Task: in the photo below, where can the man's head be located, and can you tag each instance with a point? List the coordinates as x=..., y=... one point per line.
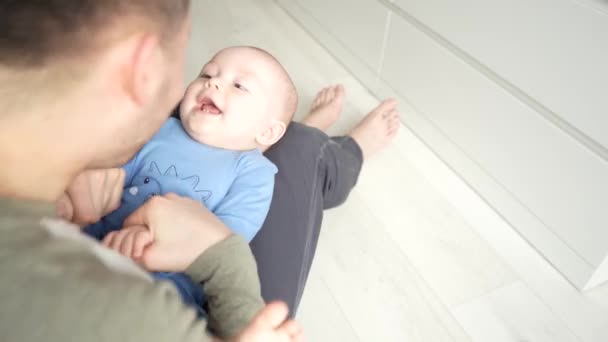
x=243, y=99
x=108, y=71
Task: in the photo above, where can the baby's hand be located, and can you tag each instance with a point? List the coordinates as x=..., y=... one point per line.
x=130, y=241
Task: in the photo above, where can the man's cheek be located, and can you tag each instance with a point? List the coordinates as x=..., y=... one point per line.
x=178, y=91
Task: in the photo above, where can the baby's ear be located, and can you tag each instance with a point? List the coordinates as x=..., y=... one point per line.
x=272, y=134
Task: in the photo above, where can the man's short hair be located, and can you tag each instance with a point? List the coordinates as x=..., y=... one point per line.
x=34, y=32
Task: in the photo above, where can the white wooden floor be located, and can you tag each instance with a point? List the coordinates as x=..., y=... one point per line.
x=414, y=255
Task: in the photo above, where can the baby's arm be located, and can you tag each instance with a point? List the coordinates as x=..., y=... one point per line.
x=246, y=205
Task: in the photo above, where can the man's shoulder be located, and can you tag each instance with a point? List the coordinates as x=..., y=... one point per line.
x=56, y=288
x=54, y=255
x=92, y=306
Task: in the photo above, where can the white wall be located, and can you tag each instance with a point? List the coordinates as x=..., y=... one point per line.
x=513, y=95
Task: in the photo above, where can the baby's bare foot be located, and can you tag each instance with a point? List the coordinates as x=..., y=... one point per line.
x=326, y=108
x=378, y=128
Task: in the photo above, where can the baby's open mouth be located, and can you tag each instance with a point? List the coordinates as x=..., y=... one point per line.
x=208, y=106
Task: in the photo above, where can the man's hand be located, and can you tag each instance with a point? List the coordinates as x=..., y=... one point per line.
x=92, y=195
x=181, y=229
x=270, y=325
x=129, y=242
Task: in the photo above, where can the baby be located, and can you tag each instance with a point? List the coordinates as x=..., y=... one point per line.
x=240, y=105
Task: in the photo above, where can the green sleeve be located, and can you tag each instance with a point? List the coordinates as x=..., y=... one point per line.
x=233, y=289
x=58, y=286
x=58, y=292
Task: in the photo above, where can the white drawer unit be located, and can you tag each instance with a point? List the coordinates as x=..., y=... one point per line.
x=512, y=95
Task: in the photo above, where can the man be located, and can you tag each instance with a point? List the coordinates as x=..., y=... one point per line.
x=83, y=85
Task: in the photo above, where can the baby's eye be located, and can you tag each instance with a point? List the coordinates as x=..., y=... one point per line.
x=205, y=76
x=240, y=87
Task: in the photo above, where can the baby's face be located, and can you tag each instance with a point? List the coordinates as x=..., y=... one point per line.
x=232, y=102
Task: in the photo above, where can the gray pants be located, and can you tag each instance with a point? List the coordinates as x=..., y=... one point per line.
x=316, y=172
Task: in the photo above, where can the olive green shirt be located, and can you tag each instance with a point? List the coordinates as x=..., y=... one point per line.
x=58, y=286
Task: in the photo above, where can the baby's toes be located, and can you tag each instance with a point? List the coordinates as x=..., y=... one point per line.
x=394, y=126
x=339, y=89
x=331, y=93
x=315, y=103
x=395, y=113
x=387, y=116
x=318, y=98
x=394, y=116
x=389, y=104
x=326, y=95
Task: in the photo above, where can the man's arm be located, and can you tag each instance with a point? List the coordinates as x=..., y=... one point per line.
x=113, y=306
x=133, y=311
x=226, y=272
x=232, y=288
x=187, y=236
x=235, y=304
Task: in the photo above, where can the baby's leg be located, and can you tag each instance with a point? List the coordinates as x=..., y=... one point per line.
x=285, y=246
x=316, y=172
x=340, y=158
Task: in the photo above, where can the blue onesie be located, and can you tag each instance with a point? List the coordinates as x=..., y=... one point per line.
x=236, y=186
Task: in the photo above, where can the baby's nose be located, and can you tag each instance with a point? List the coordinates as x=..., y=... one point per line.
x=214, y=83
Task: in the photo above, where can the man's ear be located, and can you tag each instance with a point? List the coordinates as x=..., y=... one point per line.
x=272, y=134
x=140, y=75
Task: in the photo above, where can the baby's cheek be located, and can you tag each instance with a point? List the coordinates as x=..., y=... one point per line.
x=193, y=90
x=190, y=124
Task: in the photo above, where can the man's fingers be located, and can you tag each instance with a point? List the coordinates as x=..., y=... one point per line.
x=64, y=207
x=142, y=240
x=172, y=196
x=80, y=194
x=96, y=182
x=152, y=260
x=116, y=191
x=156, y=258
x=95, y=193
x=85, y=206
x=140, y=216
x=272, y=316
x=293, y=330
